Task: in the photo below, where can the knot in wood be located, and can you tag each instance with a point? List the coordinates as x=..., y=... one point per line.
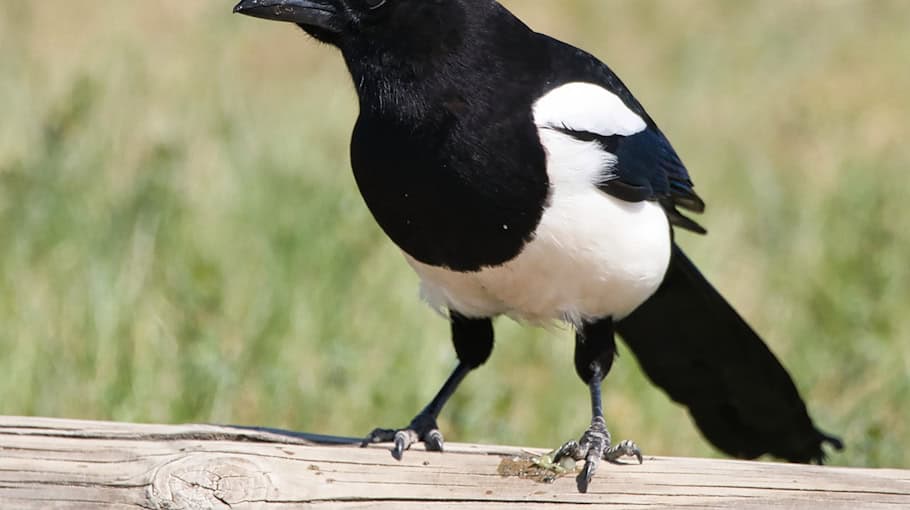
x=209, y=481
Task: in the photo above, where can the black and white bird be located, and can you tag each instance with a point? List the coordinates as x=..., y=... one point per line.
x=520, y=177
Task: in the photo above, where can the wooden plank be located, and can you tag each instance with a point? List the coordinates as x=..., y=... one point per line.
x=51, y=463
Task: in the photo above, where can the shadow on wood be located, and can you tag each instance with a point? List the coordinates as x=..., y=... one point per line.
x=51, y=463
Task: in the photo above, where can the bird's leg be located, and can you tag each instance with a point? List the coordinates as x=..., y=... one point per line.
x=595, y=349
x=473, y=340
x=423, y=426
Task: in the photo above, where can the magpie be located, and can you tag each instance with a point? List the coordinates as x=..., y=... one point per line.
x=520, y=177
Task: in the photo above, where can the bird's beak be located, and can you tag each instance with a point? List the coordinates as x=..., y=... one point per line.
x=308, y=13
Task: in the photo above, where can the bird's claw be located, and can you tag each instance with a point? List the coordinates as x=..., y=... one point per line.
x=593, y=447
x=624, y=449
x=422, y=429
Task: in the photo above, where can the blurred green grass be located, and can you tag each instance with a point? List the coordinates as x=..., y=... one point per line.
x=182, y=239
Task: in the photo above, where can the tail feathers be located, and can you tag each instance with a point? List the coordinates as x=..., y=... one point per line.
x=692, y=343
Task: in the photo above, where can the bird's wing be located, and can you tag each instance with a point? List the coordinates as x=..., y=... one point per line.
x=645, y=166
x=648, y=168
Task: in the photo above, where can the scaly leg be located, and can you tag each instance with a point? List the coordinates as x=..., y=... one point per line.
x=473, y=340
x=595, y=348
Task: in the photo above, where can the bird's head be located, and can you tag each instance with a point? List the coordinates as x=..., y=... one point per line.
x=402, y=54
x=373, y=26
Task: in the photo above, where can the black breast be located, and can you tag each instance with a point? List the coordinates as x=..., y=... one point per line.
x=462, y=192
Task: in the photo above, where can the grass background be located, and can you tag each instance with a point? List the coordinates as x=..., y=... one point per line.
x=181, y=238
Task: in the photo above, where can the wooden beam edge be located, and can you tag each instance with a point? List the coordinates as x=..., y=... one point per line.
x=58, y=463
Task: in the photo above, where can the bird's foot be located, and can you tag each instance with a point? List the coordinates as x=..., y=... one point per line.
x=422, y=429
x=593, y=446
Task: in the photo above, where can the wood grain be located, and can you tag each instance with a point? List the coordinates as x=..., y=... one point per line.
x=51, y=463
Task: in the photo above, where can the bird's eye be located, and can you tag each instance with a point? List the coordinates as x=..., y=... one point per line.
x=375, y=4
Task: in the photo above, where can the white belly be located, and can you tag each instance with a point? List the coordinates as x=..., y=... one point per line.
x=592, y=256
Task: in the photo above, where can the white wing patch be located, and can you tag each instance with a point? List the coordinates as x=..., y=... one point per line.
x=586, y=107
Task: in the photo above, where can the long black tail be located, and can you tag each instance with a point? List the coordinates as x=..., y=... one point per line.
x=694, y=345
